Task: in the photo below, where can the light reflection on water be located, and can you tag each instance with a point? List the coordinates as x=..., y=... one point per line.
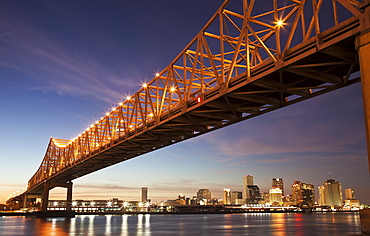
x=276, y=224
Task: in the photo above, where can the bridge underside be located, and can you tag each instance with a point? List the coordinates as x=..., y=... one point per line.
x=320, y=65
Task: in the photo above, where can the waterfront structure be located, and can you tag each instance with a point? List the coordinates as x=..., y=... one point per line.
x=330, y=193
x=247, y=180
x=350, y=194
x=303, y=194
x=203, y=194
x=144, y=194
x=278, y=183
x=276, y=195
x=350, y=200
x=227, y=197
x=253, y=194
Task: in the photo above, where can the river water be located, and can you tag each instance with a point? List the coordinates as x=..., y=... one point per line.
x=297, y=224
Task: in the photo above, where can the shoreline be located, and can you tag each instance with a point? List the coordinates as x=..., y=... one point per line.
x=60, y=213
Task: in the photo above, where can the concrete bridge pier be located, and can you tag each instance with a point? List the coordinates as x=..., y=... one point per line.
x=45, y=198
x=29, y=196
x=363, y=47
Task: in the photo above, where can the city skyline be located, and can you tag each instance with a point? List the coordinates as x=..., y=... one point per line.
x=64, y=65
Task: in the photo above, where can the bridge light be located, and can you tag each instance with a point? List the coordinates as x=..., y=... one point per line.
x=279, y=23
x=199, y=99
x=121, y=104
x=107, y=114
x=172, y=89
x=145, y=85
x=114, y=109
x=128, y=98
x=151, y=115
x=157, y=74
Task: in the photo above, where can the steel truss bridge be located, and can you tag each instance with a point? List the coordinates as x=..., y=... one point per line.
x=242, y=63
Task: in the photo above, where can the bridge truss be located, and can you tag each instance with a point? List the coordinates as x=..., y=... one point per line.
x=243, y=63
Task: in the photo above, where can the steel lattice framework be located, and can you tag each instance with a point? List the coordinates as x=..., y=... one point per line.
x=243, y=63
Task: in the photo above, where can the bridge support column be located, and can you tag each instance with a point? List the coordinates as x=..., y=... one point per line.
x=363, y=47
x=50, y=185
x=45, y=197
x=69, y=197
x=29, y=196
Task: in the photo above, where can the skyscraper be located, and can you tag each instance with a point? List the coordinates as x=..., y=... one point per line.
x=203, y=194
x=227, y=196
x=253, y=194
x=247, y=180
x=278, y=183
x=144, y=194
x=303, y=194
x=330, y=193
x=237, y=197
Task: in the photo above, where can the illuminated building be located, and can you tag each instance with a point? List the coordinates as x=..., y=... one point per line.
x=350, y=194
x=203, y=194
x=278, y=183
x=351, y=201
x=303, y=194
x=247, y=180
x=227, y=197
x=254, y=194
x=144, y=194
x=276, y=195
x=237, y=197
x=330, y=193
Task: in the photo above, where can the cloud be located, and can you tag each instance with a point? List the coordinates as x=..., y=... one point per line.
x=61, y=68
x=315, y=131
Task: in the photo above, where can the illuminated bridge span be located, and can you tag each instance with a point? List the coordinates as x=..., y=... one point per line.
x=242, y=64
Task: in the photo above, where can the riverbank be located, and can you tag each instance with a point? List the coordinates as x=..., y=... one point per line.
x=62, y=213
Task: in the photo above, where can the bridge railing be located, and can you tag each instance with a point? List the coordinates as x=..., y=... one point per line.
x=240, y=39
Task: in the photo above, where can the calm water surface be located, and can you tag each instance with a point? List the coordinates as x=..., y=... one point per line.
x=198, y=224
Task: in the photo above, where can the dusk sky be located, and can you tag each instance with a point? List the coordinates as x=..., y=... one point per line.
x=63, y=64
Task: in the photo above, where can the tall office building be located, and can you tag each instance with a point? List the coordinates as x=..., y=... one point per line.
x=144, y=194
x=330, y=193
x=253, y=193
x=237, y=197
x=350, y=194
x=227, y=196
x=247, y=180
x=303, y=194
x=203, y=194
x=278, y=183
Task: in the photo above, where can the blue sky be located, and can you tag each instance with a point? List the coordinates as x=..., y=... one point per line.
x=65, y=63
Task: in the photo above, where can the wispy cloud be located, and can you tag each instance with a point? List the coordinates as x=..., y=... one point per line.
x=284, y=136
x=62, y=69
